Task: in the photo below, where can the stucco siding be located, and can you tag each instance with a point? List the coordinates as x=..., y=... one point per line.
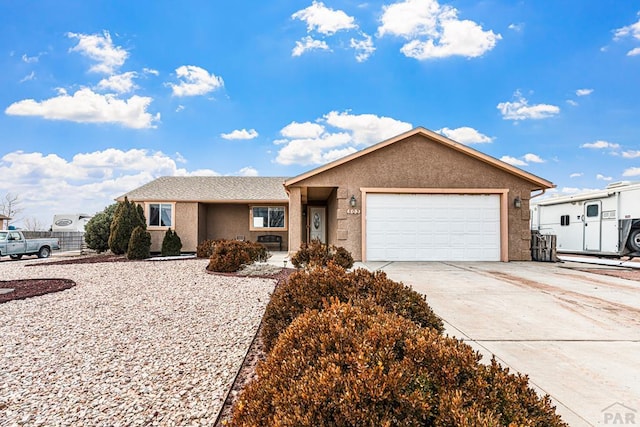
x=418, y=162
x=228, y=221
x=186, y=225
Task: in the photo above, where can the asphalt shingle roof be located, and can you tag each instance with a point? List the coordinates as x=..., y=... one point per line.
x=210, y=189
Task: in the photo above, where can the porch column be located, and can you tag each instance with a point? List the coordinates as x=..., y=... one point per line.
x=295, y=219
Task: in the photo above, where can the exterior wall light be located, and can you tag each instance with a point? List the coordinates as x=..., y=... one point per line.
x=352, y=201
x=517, y=202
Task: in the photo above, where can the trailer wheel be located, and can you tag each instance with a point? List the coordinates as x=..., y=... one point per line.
x=16, y=256
x=634, y=240
x=44, y=252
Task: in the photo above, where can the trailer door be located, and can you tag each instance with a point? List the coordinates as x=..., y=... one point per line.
x=592, y=221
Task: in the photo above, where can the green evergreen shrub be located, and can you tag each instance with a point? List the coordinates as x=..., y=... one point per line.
x=205, y=248
x=139, y=244
x=171, y=244
x=308, y=289
x=360, y=365
x=230, y=256
x=317, y=253
x=97, y=229
x=126, y=218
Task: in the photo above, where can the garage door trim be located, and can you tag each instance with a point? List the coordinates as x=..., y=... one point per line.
x=502, y=192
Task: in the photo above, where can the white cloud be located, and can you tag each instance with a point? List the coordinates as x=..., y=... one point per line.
x=434, y=31
x=324, y=20
x=633, y=31
x=575, y=190
x=584, y=92
x=151, y=71
x=601, y=177
x=308, y=43
x=364, y=48
x=631, y=154
x=599, y=145
x=532, y=158
x=315, y=143
x=516, y=27
x=520, y=109
x=86, y=106
x=30, y=76
x=49, y=184
x=180, y=108
x=248, y=171
x=576, y=175
x=119, y=83
x=195, y=81
x=304, y=130
x=465, y=135
x=100, y=49
x=240, y=134
x=30, y=59
x=634, y=52
x=631, y=172
x=572, y=102
x=513, y=161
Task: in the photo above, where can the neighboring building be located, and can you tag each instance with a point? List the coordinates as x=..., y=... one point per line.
x=416, y=197
x=4, y=220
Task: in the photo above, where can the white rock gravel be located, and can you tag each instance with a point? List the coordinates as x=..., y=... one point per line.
x=132, y=344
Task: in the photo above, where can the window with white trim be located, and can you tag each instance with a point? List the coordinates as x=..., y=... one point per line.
x=160, y=214
x=268, y=218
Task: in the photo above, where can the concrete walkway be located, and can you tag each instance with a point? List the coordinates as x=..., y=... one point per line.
x=576, y=334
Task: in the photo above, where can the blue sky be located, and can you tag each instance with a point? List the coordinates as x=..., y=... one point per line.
x=99, y=97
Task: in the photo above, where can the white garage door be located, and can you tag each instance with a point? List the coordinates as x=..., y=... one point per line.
x=433, y=227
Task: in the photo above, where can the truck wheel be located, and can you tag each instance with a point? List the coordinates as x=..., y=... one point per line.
x=634, y=240
x=19, y=256
x=44, y=252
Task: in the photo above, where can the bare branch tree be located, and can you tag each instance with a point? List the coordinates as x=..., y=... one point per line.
x=10, y=206
x=33, y=224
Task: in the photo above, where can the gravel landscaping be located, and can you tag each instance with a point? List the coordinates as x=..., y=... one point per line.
x=133, y=343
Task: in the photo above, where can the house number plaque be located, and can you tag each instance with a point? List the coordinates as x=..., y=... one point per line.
x=353, y=211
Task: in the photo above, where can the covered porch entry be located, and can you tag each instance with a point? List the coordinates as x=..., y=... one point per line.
x=317, y=213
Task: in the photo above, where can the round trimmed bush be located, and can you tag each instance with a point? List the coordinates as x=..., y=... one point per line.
x=231, y=255
x=350, y=365
x=317, y=253
x=308, y=289
x=139, y=246
x=171, y=244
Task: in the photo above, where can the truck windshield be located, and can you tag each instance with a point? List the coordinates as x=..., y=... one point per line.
x=3, y=235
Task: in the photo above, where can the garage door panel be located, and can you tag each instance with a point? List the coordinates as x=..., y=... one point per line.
x=433, y=227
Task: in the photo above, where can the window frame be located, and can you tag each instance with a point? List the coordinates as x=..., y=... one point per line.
x=285, y=227
x=150, y=226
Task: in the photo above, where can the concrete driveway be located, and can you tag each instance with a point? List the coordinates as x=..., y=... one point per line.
x=576, y=334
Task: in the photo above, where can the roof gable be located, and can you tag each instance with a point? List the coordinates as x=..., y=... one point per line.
x=538, y=182
x=232, y=189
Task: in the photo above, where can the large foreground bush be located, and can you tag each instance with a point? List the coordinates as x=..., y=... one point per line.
x=352, y=365
x=307, y=289
x=231, y=255
x=318, y=254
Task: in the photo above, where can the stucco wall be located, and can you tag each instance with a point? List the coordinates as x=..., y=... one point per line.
x=227, y=221
x=418, y=162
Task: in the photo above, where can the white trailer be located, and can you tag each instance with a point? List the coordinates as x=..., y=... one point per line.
x=70, y=222
x=603, y=223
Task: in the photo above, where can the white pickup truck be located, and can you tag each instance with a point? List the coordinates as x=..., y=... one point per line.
x=13, y=243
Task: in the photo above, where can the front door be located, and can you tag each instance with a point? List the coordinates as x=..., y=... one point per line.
x=592, y=220
x=317, y=223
